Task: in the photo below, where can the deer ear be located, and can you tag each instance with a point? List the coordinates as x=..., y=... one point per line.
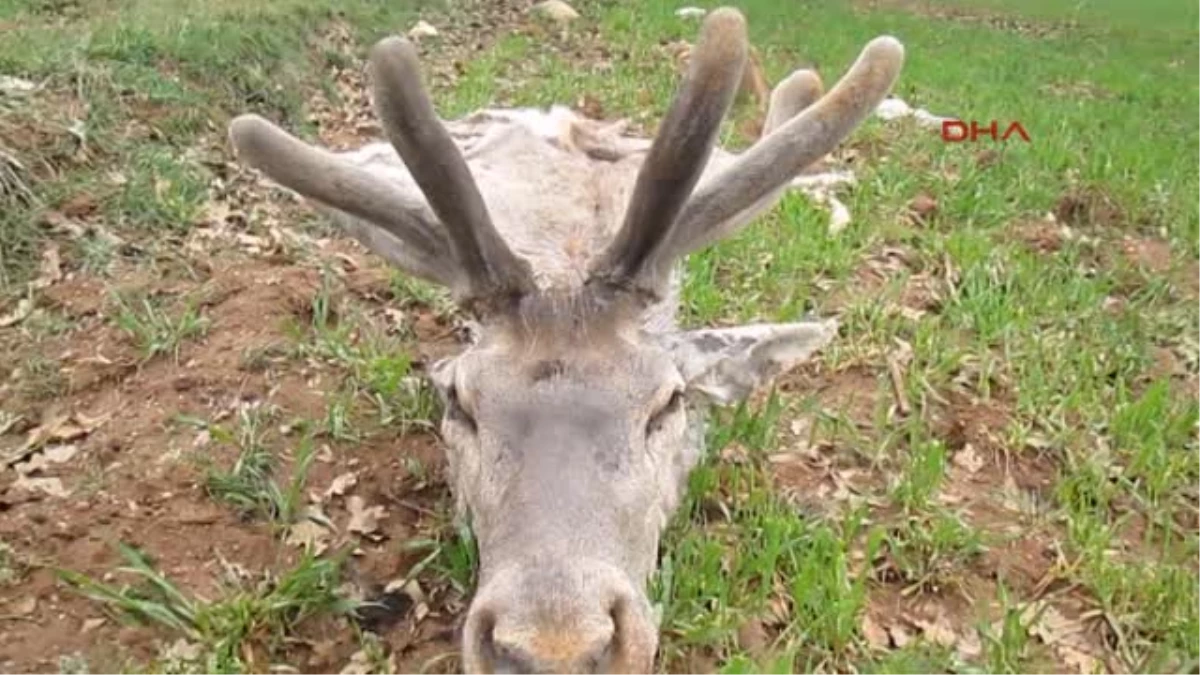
x=726, y=365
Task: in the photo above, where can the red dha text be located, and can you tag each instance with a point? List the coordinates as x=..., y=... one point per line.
x=956, y=131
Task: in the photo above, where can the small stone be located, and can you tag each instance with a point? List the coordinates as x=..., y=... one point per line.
x=557, y=10
x=422, y=29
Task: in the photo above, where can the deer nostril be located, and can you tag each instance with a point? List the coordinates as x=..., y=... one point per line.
x=505, y=657
x=547, y=650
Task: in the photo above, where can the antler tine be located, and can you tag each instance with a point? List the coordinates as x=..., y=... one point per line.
x=412, y=125
x=679, y=154
x=797, y=143
x=791, y=97
x=334, y=183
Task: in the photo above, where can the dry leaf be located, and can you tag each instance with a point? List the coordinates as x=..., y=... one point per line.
x=90, y=625
x=752, y=637
x=1081, y=661
x=396, y=319
x=60, y=453
x=939, y=631
x=410, y=587
x=25, y=607
x=360, y=663
x=8, y=421
x=50, y=486
x=11, y=86
x=35, y=464
x=1063, y=635
x=900, y=636
x=308, y=535
x=969, y=645
x=341, y=484
x=59, y=428
x=876, y=636
x=182, y=650
x=968, y=459
x=50, y=271
x=363, y=520
x=19, y=313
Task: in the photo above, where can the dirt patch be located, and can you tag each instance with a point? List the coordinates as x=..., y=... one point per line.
x=852, y=393
x=1076, y=90
x=1089, y=207
x=973, y=15
x=1040, y=236
x=137, y=476
x=1151, y=254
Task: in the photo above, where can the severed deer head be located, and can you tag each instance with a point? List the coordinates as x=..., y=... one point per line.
x=575, y=414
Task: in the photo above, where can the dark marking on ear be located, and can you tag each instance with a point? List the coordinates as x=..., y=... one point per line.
x=544, y=370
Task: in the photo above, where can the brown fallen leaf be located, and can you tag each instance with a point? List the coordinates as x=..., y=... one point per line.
x=360, y=663
x=364, y=520
x=341, y=485
x=876, y=636
x=1063, y=635
x=308, y=535
x=752, y=637
x=939, y=631
x=969, y=645
x=900, y=635
x=50, y=270
x=18, y=314
x=60, y=428
x=410, y=587
x=968, y=459
x=50, y=486
x=60, y=453
x=25, y=607
x=36, y=463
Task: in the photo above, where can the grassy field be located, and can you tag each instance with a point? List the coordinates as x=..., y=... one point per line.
x=219, y=455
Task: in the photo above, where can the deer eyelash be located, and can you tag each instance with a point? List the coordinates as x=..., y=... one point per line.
x=456, y=411
x=672, y=406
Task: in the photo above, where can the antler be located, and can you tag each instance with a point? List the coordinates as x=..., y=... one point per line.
x=802, y=126
x=408, y=117
x=410, y=238
x=776, y=159
x=678, y=156
x=463, y=251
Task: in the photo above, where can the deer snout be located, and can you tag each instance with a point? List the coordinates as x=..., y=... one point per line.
x=583, y=646
x=541, y=627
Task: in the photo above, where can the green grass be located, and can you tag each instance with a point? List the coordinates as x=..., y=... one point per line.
x=154, y=330
x=1066, y=342
x=228, y=629
x=374, y=362
x=252, y=484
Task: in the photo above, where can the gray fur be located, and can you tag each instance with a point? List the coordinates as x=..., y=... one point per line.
x=574, y=418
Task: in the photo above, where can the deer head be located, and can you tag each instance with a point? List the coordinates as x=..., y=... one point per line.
x=571, y=425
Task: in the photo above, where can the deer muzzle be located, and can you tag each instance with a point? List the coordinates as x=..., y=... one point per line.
x=566, y=617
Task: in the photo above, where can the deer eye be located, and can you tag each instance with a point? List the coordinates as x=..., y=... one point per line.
x=456, y=411
x=672, y=406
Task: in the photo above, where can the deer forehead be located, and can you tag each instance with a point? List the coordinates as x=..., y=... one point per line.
x=590, y=375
